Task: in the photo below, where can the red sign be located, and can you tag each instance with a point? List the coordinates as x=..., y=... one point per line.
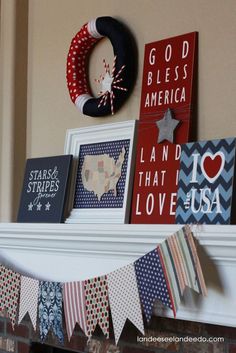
x=168, y=76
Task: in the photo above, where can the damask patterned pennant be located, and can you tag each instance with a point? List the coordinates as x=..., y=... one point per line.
x=124, y=299
x=97, y=310
x=74, y=306
x=50, y=309
x=152, y=283
x=29, y=299
x=9, y=292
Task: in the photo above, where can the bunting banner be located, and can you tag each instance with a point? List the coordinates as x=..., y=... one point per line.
x=50, y=309
x=97, y=308
x=29, y=290
x=124, y=299
x=9, y=292
x=161, y=274
x=74, y=307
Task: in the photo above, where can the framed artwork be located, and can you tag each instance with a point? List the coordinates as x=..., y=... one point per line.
x=44, y=191
x=167, y=101
x=206, y=182
x=103, y=179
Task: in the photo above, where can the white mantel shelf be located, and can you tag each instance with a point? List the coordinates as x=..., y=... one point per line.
x=67, y=252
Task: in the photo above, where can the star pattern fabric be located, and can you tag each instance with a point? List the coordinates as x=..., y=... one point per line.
x=124, y=299
x=166, y=127
x=151, y=282
x=9, y=292
x=96, y=297
x=74, y=306
x=87, y=199
x=50, y=309
x=29, y=299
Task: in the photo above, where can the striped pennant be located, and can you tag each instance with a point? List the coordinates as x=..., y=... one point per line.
x=74, y=306
x=198, y=268
x=171, y=274
x=182, y=265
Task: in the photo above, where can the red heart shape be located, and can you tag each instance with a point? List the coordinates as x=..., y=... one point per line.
x=212, y=165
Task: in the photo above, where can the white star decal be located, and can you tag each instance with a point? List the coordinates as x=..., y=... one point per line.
x=39, y=205
x=47, y=206
x=30, y=206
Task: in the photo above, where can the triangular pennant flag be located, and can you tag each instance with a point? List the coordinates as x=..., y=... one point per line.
x=179, y=262
x=152, y=283
x=74, y=306
x=191, y=259
x=50, y=309
x=9, y=292
x=182, y=264
x=124, y=299
x=29, y=290
x=170, y=271
x=97, y=310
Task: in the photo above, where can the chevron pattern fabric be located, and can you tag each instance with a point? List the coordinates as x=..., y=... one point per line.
x=205, y=185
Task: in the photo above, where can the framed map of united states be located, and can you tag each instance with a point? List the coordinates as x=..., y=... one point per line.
x=103, y=172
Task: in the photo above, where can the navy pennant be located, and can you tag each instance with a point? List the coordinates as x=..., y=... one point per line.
x=50, y=309
x=151, y=282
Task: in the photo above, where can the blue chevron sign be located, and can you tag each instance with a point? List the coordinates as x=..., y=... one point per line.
x=205, y=186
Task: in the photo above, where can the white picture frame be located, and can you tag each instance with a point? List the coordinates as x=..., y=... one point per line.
x=76, y=140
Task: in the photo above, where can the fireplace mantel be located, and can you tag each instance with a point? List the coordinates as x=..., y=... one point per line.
x=67, y=252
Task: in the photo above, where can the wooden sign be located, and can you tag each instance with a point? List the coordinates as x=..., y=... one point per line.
x=165, y=112
x=206, y=178
x=168, y=76
x=156, y=199
x=44, y=189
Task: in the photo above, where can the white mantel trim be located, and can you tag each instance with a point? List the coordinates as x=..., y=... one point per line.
x=122, y=240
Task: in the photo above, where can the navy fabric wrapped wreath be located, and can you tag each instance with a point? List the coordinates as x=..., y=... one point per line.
x=116, y=83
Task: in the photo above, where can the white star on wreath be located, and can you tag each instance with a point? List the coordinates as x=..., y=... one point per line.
x=109, y=82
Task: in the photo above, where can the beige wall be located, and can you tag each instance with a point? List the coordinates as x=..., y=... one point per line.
x=53, y=23
x=13, y=107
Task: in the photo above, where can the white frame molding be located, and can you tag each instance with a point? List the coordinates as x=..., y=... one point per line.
x=97, y=134
x=67, y=252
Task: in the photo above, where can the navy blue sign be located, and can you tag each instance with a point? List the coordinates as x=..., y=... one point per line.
x=44, y=189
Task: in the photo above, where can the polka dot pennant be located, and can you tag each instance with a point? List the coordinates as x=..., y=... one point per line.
x=96, y=298
x=151, y=282
x=29, y=299
x=9, y=292
x=124, y=299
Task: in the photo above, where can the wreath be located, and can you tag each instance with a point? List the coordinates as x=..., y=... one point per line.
x=116, y=82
